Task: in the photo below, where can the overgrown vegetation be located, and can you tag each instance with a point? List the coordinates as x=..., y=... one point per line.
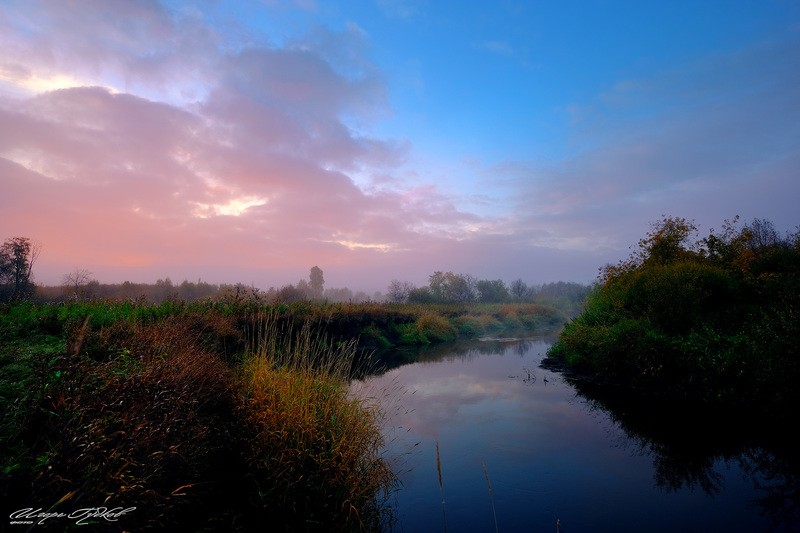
x=295, y=405
x=220, y=415
x=190, y=413
x=715, y=321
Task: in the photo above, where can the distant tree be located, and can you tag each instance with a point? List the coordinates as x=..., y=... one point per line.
x=492, y=290
x=519, y=289
x=289, y=293
x=317, y=282
x=450, y=287
x=421, y=295
x=360, y=296
x=338, y=295
x=567, y=297
x=75, y=283
x=304, y=288
x=163, y=290
x=399, y=291
x=460, y=288
x=436, y=285
x=17, y=257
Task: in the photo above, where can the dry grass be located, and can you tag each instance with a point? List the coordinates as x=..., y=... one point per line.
x=140, y=429
x=314, y=451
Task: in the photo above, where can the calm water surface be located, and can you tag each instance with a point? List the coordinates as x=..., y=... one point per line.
x=553, y=458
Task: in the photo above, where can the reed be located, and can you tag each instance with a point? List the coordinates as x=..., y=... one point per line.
x=313, y=450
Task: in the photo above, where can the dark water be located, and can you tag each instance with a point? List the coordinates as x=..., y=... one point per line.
x=559, y=461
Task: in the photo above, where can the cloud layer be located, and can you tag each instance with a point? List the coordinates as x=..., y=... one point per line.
x=141, y=142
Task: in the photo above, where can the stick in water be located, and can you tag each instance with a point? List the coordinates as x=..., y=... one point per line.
x=441, y=487
x=491, y=496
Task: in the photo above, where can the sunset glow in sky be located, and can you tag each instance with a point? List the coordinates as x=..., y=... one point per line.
x=247, y=141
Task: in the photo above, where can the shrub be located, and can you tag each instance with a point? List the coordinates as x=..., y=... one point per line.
x=435, y=328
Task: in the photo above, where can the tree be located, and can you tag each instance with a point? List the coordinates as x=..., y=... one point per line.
x=459, y=288
x=317, y=282
x=519, y=289
x=17, y=257
x=75, y=283
x=342, y=294
x=303, y=288
x=492, y=290
x=421, y=295
x=449, y=287
x=399, y=290
x=761, y=233
x=436, y=285
x=666, y=243
x=288, y=294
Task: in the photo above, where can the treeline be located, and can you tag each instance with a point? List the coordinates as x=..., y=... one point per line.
x=164, y=290
x=447, y=287
x=715, y=321
x=18, y=255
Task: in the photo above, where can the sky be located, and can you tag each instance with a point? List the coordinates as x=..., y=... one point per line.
x=247, y=141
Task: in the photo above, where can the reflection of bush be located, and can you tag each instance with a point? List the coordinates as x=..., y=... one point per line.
x=688, y=445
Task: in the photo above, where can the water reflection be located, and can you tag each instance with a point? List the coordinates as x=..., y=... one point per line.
x=687, y=443
x=556, y=449
x=386, y=360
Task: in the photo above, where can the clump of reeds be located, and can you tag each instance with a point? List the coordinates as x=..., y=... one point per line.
x=314, y=451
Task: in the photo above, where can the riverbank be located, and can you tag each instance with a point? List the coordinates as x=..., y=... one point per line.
x=712, y=323
x=210, y=414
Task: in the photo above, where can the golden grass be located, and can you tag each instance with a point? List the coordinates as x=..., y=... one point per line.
x=312, y=447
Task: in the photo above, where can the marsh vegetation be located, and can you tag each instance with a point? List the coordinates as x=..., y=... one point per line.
x=214, y=414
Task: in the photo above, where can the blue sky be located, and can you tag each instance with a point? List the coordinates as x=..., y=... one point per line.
x=388, y=139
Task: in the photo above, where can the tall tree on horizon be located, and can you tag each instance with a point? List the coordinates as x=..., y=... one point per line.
x=17, y=257
x=317, y=282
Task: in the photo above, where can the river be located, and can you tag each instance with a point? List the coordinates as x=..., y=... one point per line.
x=519, y=449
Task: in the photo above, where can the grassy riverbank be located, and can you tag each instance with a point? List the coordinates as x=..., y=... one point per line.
x=211, y=414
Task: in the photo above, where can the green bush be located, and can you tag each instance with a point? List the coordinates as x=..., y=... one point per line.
x=695, y=322
x=435, y=328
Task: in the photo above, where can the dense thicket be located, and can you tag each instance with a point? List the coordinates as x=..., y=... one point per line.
x=716, y=320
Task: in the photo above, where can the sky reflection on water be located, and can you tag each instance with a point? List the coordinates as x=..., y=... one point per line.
x=549, y=455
